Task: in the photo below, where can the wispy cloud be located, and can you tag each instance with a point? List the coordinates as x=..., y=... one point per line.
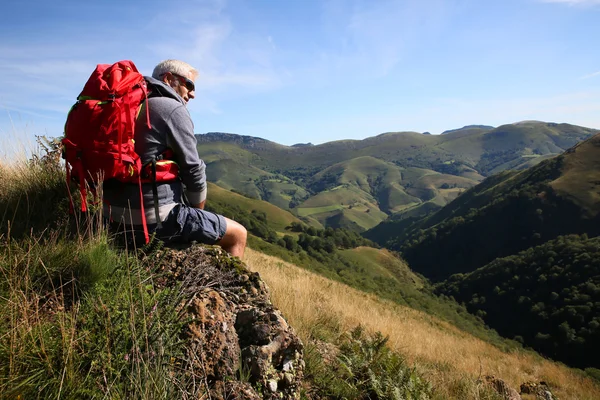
x=42, y=77
x=231, y=60
x=591, y=75
x=366, y=39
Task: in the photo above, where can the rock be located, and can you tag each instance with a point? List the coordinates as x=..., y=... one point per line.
x=237, y=343
x=502, y=388
x=261, y=333
x=272, y=385
x=540, y=390
x=211, y=348
x=288, y=379
x=234, y=390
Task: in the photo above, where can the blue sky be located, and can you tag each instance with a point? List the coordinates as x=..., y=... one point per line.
x=297, y=71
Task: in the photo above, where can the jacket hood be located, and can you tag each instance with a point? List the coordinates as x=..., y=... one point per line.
x=158, y=88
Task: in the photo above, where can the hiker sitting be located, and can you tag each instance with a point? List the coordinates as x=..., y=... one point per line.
x=170, y=141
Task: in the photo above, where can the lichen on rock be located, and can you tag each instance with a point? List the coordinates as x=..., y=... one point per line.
x=237, y=344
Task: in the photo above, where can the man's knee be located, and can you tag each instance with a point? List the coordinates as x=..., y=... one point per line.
x=236, y=231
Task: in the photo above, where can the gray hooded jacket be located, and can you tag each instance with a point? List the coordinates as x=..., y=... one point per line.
x=171, y=128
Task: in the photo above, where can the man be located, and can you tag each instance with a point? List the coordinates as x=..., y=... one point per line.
x=171, y=135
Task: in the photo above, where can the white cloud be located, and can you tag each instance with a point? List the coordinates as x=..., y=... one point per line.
x=42, y=76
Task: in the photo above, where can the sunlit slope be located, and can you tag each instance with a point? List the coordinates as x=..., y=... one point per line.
x=277, y=218
x=474, y=147
x=580, y=178
x=366, y=190
x=344, y=206
x=509, y=213
x=381, y=263
x=448, y=357
x=235, y=173
x=218, y=151
x=509, y=146
x=379, y=167
x=231, y=174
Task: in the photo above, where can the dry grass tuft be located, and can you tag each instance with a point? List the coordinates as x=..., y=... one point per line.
x=452, y=360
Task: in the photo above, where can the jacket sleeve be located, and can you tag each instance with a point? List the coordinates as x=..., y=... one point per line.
x=181, y=139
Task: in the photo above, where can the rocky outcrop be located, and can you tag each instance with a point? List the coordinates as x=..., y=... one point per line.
x=531, y=390
x=237, y=344
x=502, y=388
x=540, y=390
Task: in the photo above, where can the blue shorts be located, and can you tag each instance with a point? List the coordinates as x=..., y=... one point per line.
x=184, y=224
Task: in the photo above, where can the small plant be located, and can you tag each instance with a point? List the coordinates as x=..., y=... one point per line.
x=365, y=368
x=376, y=372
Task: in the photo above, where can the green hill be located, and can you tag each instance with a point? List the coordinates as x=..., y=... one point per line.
x=81, y=318
x=398, y=173
x=278, y=219
x=380, y=262
x=552, y=292
x=502, y=246
x=507, y=213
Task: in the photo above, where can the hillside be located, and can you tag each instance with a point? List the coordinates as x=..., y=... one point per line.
x=504, y=244
x=396, y=174
x=453, y=361
x=563, y=328
x=85, y=318
x=508, y=213
x=278, y=219
x=552, y=292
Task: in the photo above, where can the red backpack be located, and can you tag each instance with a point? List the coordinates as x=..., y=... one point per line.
x=98, y=143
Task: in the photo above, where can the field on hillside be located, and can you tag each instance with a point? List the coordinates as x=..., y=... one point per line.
x=406, y=174
x=278, y=219
x=343, y=206
x=580, y=176
x=381, y=262
x=453, y=361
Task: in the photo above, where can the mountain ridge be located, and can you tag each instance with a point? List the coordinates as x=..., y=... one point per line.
x=291, y=176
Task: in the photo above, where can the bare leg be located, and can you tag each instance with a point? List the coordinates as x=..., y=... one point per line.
x=234, y=240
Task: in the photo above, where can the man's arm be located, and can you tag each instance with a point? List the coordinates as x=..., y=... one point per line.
x=182, y=141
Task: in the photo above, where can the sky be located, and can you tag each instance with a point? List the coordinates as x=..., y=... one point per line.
x=299, y=71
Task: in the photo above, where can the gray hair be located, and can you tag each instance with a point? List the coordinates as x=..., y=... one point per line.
x=175, y=67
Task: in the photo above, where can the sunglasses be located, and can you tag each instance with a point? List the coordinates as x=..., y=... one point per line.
x=189, y=84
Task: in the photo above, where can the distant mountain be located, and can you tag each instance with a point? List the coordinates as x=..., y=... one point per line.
x=469, y=129
x=358, y=184
x=508, y=213
x=303, y=145
x=523, y=241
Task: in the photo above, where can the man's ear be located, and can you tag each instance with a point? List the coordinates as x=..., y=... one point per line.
x=167, y=78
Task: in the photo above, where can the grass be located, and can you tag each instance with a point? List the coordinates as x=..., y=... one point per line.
x=307, y=211
x=452, y=360
x=365, y=216
x=278, y=219
x=579, y=177
x=78, y=319
x=384, y=264
x=81, y=320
